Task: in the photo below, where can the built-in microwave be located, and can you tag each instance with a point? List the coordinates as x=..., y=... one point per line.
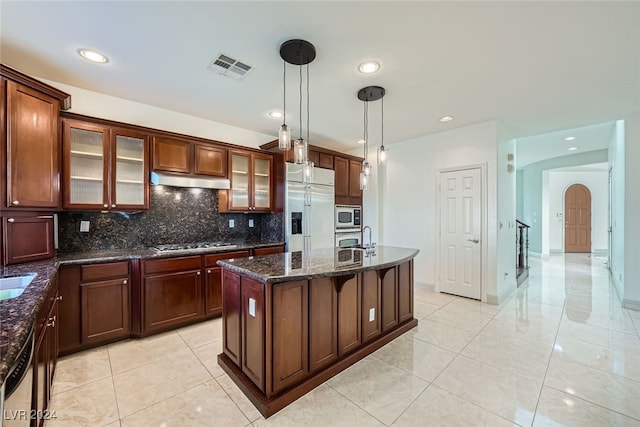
x=348, y=238
x=348, y=216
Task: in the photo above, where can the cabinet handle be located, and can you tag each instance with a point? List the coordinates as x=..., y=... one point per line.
x=124, y=282
x=197, y=273
x=59, y=298
x=10, y=220
x=113, y=206
x=15, y=202
x=105, y=205
x=52, y=321
x=208, y=271
x=45, y=216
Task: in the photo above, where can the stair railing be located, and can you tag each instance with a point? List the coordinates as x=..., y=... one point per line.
x=522, y=245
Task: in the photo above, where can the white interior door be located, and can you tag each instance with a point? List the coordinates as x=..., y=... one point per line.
x=460, y=232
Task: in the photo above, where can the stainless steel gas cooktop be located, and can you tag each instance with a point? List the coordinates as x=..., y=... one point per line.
x=177, y=247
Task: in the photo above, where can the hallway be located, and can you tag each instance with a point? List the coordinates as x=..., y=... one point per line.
x=559, y=352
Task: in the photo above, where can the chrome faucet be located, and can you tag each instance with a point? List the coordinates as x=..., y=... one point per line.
x=369, y=247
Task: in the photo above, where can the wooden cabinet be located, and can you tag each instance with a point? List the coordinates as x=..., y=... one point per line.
x=253, y=329
x=188, y=157
x=349, y=313
x=213, y=281
x=251, y=183
x=388, y=298
x=371, y=325
x=405, y=291
x=172, y=292
x=231, y=317
x=290, y=333
x=95, y=304
x=105, y=168
x=268, y=251
x=33, y=148
x=323, y=323
x=27, y=237
x=45, y=355
x=347, y=186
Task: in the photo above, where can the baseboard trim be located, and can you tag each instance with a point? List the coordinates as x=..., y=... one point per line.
x=631, y=304
x=498, y=299
x=600, y=252
x=535, y=254
x=424, y=285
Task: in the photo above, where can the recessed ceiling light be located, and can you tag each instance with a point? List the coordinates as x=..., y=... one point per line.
x=360, y=141
x=570, y=138
x=275, y=114
x=369, y=67
x=446, y=119
x=93, y=56
x=572, y=148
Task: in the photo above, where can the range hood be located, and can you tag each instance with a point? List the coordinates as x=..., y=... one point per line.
x=160, y=178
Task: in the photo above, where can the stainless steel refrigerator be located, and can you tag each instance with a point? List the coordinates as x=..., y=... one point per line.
x=309, y=209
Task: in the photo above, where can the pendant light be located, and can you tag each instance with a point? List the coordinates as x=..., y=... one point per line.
x=284, y=135
x=382, y=153
x=300, y=52
x=367, y=94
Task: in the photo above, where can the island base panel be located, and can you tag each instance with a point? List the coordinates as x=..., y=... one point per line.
x=269, y=406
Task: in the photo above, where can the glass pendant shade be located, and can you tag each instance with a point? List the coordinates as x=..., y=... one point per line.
x=382, y=155
x=308, y=171
x=366, y=168
x=364, y=181
x=298, y=152
x=284, y=138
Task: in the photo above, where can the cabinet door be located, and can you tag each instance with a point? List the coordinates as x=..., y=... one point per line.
x=370, y=306
x=323, y=326
x=69, y=308
x=33, y=149
x=268, y=251
x=231, y=314
x=213, y=291
x=86, y=166
x=341, y=167
x=129, y=170
x=253, y=354
x=349, y=317
x=389, y=298
x=261, y=186
x=171, y=155
x=405, y=291
x=290, y=333
x=326, y=161
x=172, y=299
x=210, y=160
x=105, y=310
x=52, y=340
x=355, y=167
x=40, y=392
x=314, y=156
x=28, y=238
x=240, y=178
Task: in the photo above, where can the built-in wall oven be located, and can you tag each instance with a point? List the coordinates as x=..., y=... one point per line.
x=347, y=238
x=16, y=407
x=348, y=216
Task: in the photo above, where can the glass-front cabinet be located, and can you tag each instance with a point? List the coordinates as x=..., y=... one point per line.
x=104, y=168
x=251, y=176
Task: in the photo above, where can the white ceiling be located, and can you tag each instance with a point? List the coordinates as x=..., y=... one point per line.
x=539, y=67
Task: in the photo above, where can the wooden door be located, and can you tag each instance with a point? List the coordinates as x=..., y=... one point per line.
x=326, y=161
x=105, y=310
x=33, y=149
x=171, y=155
x=231, y=316
x=27, y=238
x=355, y=167
x=290, y=333
x=268, y=251
x=389, y=298
x=349, y=308
x=210, y=160
x=341, y=167
x=460, y=225
x=577, y=211
x=213, y=291
x=405, y=291
x=171, y=299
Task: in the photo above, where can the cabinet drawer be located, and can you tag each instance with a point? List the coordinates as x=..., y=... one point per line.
x=90, y=273
x=172, y=264
x=210, y=260
x=268, y=251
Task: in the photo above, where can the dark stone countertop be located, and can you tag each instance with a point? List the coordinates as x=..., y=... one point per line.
x=291, y=266
x=18, y=314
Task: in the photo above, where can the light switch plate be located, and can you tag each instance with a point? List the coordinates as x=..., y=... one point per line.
x=232, y=223
x=250, y=223
x=252, y=307
x=372, y=314
x=84, y=226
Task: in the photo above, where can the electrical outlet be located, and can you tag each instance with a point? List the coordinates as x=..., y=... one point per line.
x=84, y=226
x=232, y=223
x=250, y=223
x=372, y=314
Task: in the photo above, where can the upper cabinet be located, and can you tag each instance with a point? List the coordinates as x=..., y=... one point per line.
x=347, y=181
x=105, y=168
x=183, y=156
x=29, y=116
x=251, y=183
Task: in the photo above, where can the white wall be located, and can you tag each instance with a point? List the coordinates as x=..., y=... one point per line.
x=631, y=212
x=616, y=164
x=410, y=199
x=103, y=106
x=506, y=227
x=598, y=184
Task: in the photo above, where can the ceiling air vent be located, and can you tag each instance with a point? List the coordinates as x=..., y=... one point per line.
x=227, y=66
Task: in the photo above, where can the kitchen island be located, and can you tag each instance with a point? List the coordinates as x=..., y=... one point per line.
x=291, y=321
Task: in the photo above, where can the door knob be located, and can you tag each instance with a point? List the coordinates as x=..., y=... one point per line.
x=474, y=240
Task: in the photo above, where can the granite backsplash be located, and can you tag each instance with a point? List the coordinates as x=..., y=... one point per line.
x=176, y=215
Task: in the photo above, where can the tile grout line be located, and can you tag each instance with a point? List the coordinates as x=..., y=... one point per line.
x=113, y=383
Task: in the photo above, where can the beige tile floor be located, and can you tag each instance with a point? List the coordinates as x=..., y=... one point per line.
x=559, y=351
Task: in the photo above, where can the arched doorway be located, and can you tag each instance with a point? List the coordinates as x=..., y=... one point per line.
x=577, y=215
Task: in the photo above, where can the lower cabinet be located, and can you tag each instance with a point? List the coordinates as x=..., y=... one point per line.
x=349, y=309
x=45, y=356
x=231, y=315
x=213, y=281
x=371, y=327
x=95, y=304
x=172, y=292
x=388, y=298
x=268, y=251
x=323, y=323
x=253, y=328
x=27, y=237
